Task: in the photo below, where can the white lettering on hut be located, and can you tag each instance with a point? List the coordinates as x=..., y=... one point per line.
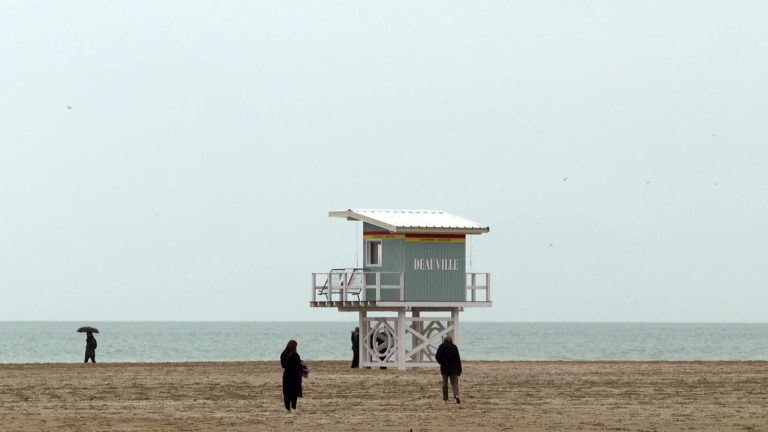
x=447, y=264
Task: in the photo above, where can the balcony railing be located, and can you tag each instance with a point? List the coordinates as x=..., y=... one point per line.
x=355, y=284
x=478, y=282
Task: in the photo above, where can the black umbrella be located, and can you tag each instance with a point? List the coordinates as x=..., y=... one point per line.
x=87, y=329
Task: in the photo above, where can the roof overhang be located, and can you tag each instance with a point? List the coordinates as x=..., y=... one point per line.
x=413, y=221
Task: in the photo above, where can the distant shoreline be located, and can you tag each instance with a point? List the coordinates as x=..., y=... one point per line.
x=58, y=342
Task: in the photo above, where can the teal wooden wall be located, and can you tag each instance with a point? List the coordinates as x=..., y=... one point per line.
x=434, y=284
x=424, y=283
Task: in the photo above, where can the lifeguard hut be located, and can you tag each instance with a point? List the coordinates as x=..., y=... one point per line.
x=411, y=288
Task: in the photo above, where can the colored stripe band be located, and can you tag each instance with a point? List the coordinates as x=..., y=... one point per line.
x=435, y=238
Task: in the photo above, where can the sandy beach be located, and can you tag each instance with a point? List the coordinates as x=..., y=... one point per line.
x=519, y=396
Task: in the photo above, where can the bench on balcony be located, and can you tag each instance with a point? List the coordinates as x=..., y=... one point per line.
x=339, y=278
x=338, y=284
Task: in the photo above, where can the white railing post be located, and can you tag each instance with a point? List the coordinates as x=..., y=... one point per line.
x=378, y=286
x=402, y=286
x=363, y=289
x=474, y=287
x=330, y=286
x=488, y=287
x=314, y=291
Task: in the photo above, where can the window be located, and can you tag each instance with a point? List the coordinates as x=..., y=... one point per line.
x=373, y=253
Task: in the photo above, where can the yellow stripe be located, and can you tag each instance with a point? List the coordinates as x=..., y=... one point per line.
x=384, y=236
x=435, y=240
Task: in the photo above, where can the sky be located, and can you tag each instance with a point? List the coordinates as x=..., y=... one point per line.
x=177, y=160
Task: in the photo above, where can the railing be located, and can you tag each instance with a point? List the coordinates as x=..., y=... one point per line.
x=354, y=284
x=342, y=284
x=478, y=282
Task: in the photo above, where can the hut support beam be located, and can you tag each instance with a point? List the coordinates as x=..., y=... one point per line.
x=362, y=325
x=401, y=339
x=455, y=322
x=418, y=327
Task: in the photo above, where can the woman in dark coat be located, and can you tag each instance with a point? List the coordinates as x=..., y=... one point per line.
x=291, y=363
x=90, y=348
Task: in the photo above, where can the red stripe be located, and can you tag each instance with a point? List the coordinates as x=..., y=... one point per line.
x=436, y=235
x=416, y=235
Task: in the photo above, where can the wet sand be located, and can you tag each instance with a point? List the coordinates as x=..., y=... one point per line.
x=519, y=396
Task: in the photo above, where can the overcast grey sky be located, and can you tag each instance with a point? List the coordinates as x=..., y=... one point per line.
x=206, y=141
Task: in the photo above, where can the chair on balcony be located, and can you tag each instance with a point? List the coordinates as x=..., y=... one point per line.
x=346, y=278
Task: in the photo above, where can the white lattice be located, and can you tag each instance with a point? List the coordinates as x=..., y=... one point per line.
x=428, y=339
x=404, y=341
x=380, y=341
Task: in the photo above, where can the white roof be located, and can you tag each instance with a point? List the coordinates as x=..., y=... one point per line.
x=414, y=221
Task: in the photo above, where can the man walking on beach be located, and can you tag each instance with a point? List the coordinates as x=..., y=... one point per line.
x=450, y=367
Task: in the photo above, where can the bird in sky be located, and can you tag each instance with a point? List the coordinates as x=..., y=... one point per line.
x=69, y=107
x=565, y=178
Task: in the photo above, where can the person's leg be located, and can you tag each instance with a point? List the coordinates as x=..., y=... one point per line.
x=294, y=400
x=455, y=387
x=287, y=402
x=93, y=358
x=445, y=387
x=86, y=359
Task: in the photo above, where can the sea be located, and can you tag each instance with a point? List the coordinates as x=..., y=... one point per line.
x=58, y=342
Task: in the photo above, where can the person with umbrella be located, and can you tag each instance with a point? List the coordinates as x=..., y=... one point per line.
x=90, y=343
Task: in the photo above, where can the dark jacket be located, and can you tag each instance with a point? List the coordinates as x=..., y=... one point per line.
x=355, y=340
x=90, y=345
x=291, y=363
x=448, y=357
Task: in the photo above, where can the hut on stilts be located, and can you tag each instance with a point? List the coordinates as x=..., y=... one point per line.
x=411, y=288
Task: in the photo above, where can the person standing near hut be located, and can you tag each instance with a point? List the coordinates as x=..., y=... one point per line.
x=356, y=348
x=292, y=372
x=90, y=348
x=450, y=367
